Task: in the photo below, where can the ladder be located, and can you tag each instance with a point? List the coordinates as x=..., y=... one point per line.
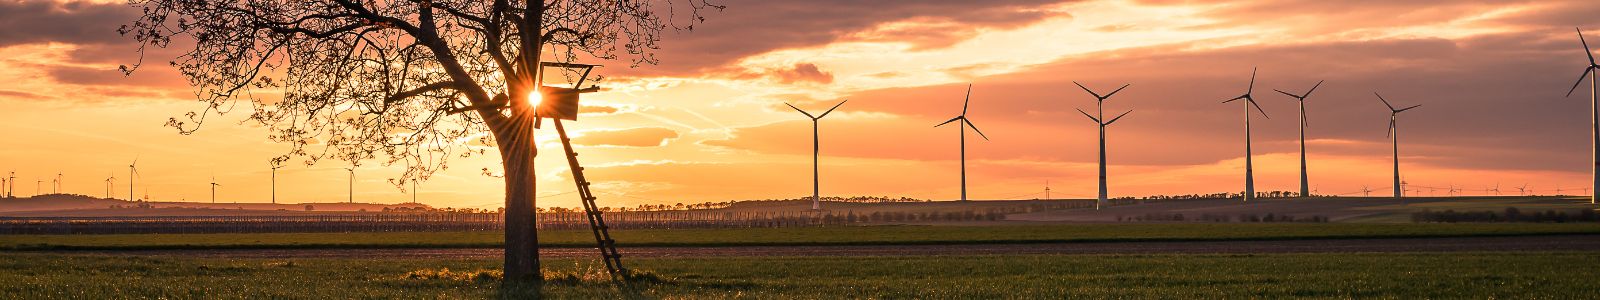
x=597, y=221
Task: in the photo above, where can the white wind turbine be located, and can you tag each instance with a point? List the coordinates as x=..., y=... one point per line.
x=1249, y=168
x=1100, y=123
x=816, y=152
x=964, y=124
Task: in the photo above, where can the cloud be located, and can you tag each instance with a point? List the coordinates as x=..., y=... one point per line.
x=632, y=137
x=75, y=22
x=751, y=27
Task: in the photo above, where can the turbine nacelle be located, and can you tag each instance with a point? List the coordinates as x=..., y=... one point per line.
x=963, y=116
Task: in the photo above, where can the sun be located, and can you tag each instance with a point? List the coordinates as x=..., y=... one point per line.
x=534, y=98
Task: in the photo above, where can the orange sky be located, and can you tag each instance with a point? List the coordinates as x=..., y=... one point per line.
x=709, y=124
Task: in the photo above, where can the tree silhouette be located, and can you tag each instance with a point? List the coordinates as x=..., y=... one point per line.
x=412, y=83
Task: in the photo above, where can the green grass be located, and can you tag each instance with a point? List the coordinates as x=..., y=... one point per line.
x=865, y=235
x=1408, y=276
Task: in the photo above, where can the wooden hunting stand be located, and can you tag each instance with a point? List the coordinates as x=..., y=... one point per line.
x=558, y=103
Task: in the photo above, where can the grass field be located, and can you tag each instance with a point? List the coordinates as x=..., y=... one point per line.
x=863, y=235
x=1410, y=276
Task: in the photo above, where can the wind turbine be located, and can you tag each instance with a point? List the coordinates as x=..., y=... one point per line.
x=214, y=186
x=1394, y=138
x=1522, y=190
x=352, y=170
x=1594, y=109
x=275, y=168
x=1366, y=192
x=1100, y=113
x=1249, y=169
x=58, y=184
x=1496, y=189
x=11, y=188
x=967, y=123
x=133, y=170
x=111, y=183
x=1305, y=184
x=816, y=150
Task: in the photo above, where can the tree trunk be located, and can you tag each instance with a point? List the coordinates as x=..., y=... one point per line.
x=515, y=139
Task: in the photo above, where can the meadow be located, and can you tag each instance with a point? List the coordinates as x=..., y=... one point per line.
x=840, y=235
x=1370, y=275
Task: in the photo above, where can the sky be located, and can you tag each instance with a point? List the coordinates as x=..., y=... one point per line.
x=708, y=123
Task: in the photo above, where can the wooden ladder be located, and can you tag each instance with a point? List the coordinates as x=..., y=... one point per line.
x=597, y=221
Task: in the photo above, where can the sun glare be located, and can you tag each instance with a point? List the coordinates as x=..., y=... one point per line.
x=534, y=98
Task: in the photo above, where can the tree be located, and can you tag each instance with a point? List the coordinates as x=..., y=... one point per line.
x=412, y=83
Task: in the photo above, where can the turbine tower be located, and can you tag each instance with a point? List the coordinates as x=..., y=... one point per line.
x=58, y=183
x=964, y=124
x=1305, y=183
x=816, y=150
x=1100, y=113
x=1394, y=138
x=1249, y=168
x=1594, y=110
x=11, y=185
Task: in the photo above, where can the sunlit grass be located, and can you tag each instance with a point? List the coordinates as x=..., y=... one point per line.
x=856, y=235
x=1411, y=276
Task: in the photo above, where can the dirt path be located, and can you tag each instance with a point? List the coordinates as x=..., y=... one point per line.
x=1523, y=243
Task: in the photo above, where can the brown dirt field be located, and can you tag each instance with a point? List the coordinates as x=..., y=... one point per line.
x=1522, y=243
x=1342, y=209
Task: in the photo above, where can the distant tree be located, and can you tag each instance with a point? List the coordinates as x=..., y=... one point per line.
x=387, y=79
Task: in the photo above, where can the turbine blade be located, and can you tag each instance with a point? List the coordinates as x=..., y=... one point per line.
x=974, y=128
x=1118, y=90
x=830, y=110
x=1258, y=108
x=808, y=115
x=1586, y=47
x=1119, y=117
x=1585, y=74
x=948, y=122
x=1313, y=89
x=1086, y=114
x=1385, y=101
x=1252, y=81
x=1408, y=108
x=966, y=101
x=1086, y=89
x=1391, y=129
x=1234, y=98
x=1287, y=93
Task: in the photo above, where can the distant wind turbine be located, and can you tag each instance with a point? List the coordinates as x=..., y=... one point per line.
x=1098, y=118
x=133, y=170
x=58, y=183
x=1305, y=184
x=1249, y=168
x=1394, y=138
x=352, y=195
x=214, y=186
x=816, y=151
x=1594, y=110
x=111, y=183
x=275, y=168
x=967, y=123
x=1522, y=190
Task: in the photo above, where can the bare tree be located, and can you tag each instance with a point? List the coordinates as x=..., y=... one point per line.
x=412, y=83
